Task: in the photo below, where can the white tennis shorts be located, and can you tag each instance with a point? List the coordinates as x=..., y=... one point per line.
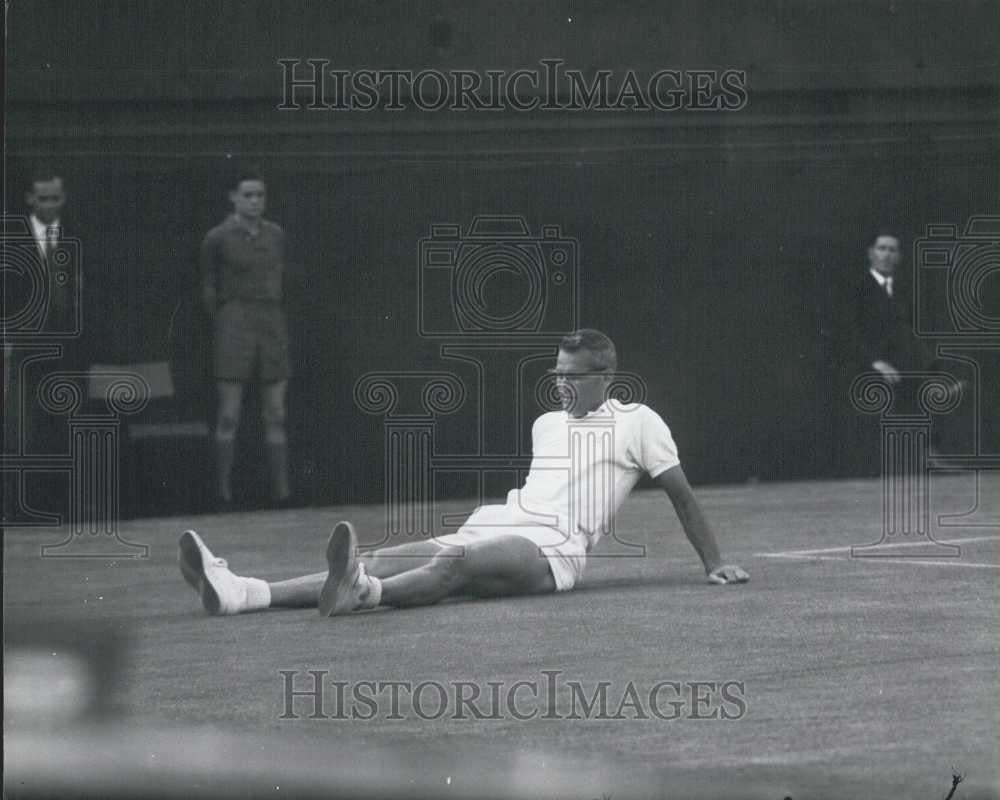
x=566, y=554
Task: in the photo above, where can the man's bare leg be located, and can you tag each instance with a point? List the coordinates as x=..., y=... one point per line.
x=385, y=562
x=301, y=592
x=382, y=563
x=227, y=423
x=503, y=565
x=273, y=410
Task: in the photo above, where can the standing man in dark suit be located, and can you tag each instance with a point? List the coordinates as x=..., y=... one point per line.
x=242, y=267
x=43, y=309
x=883, y=332
x=876, y=336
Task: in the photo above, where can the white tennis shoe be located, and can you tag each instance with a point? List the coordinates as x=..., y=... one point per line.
x=348, y=586
x=222, y=592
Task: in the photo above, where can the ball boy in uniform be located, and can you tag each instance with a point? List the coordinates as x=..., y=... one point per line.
x=242, y=267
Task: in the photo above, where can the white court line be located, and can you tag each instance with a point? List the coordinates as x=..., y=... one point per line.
x=966, y=540
x=812, y=554
x=882, y=560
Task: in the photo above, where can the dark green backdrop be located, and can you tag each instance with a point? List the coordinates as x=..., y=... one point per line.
x=710, y=246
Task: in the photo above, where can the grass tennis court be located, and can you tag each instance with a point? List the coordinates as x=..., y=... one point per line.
x=862, y=677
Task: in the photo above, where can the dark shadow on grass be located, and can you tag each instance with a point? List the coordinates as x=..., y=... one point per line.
x=616, y=585
x=630, y=584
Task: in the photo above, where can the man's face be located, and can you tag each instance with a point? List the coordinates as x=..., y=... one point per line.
x=883, y=256
x=249, y=199
x=581, y=388
x=46, y=199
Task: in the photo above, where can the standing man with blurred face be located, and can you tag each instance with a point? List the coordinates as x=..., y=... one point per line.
x=46, y=198
x=242, y=265
x=53, y=289
x=885, y=326
x=877, y=336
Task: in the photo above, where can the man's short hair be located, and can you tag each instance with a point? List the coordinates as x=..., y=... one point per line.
x=883, y=230
x=598, y=346
x=251, y=173
x=43, y=174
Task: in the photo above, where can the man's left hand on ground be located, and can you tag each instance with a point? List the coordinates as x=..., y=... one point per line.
x=728, y=573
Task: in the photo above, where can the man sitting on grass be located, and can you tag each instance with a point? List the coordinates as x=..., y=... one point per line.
x=585, y=461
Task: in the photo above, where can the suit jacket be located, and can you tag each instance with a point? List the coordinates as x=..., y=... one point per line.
x=43, y=294
x=878, y=327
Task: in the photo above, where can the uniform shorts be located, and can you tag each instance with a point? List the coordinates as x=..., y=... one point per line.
x=251, y=341
x=566, y=554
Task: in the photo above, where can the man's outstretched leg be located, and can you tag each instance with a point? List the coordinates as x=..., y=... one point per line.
x=498, y=566
x=223, y=592
x=303, y=592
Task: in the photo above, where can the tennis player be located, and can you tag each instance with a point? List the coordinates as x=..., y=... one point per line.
x=585, y=461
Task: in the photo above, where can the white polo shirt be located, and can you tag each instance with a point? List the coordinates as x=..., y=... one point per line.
x=582, y=469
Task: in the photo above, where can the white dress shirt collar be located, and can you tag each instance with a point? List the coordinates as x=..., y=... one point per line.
x=39, y=229
x=885, y=281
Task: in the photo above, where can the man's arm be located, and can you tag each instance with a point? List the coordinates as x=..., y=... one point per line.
x=208, y=274
x=675, y=483
x=887, y=370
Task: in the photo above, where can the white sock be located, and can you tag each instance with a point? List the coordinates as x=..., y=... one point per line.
x=258, y=594
x=374, y=593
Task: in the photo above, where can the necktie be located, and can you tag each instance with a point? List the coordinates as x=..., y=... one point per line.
x=51, y=240
x=60, y=297
x=888, y=286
